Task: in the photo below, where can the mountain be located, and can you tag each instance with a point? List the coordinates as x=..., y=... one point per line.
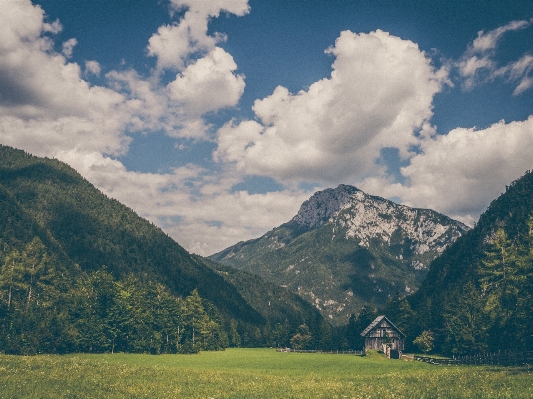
x=275, y=303
x=346, y=249
x=83, y=231
x=478, y=295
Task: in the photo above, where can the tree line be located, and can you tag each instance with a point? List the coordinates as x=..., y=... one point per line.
x=44, y=310
x=46, y=307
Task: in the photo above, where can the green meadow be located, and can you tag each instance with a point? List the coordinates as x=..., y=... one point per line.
x=252, y=373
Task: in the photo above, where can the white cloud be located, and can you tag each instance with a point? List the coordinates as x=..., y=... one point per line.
x=460, y=173
x=379, y=95
x=213, y=8
x=209, y=84
x=20, y=20
x=488, y=41
x=45, y=106
x=478, y=64
x=68, y=47
x=174, y=44
x=206, y=79
x=92, y=67
x=519, y=71
x=206, y=85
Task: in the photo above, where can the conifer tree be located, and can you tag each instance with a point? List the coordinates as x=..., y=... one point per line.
x=466, y=324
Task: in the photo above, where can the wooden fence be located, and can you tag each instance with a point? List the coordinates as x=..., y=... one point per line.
x=501, y=358
x=356, y=353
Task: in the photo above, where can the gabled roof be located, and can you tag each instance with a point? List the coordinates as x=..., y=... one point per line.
x=376, y=321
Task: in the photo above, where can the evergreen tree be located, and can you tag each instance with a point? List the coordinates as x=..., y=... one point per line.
x=353, y=333
x=325, y=339
x=277, y=336
x=234, y=336
x=466, y=325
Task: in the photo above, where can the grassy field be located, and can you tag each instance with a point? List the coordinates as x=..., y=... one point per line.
x=252, y=373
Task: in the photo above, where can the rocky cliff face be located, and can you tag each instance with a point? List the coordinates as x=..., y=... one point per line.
x=322, y=205
x=364, y=218
x=345, y=249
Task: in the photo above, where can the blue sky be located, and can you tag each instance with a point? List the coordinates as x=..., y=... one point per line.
x=217, y=119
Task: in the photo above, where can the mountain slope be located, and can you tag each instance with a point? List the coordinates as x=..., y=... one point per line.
x=277, y=304
x=345, y=249
x=477, y=296
x=80, y=226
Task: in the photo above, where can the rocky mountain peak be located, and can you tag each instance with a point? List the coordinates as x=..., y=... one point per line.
x=365, y=217
x=317, y=210
x=346, y=248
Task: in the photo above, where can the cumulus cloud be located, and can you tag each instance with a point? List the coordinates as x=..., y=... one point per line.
x=379, y=95
x=174, y=44
x=206, y=80
x=45, y=106
x=213, y=8
x=48, y=109
x=478, y=64
x=209, y=84
x=235, y=217
x=460, y=173
x=205, y=86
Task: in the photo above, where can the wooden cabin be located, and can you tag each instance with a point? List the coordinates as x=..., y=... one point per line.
x=382, y=331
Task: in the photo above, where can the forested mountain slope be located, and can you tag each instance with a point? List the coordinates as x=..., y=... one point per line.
x=346, y=249
x=79, y=225
x=478, y=295
x=277, y=304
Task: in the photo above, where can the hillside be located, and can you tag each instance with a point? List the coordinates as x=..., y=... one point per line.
x=477, y=296
x=79, y=225
x=346, y=249
x=275, y=303
x=82, y=231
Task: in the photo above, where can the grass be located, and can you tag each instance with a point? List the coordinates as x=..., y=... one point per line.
x=251, y=373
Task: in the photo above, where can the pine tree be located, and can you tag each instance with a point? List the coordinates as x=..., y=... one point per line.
x=325, y=339
x=466, y=324
x=234, y=336
x=353, y=333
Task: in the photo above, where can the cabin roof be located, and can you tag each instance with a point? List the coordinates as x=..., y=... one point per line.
x=376, y=322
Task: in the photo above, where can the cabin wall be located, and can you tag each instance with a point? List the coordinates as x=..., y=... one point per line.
x=376, y=338
x=377, y=343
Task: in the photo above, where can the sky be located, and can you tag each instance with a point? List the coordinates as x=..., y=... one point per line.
x=216, y=119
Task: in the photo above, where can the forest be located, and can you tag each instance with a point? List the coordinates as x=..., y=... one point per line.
x=44, y=309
